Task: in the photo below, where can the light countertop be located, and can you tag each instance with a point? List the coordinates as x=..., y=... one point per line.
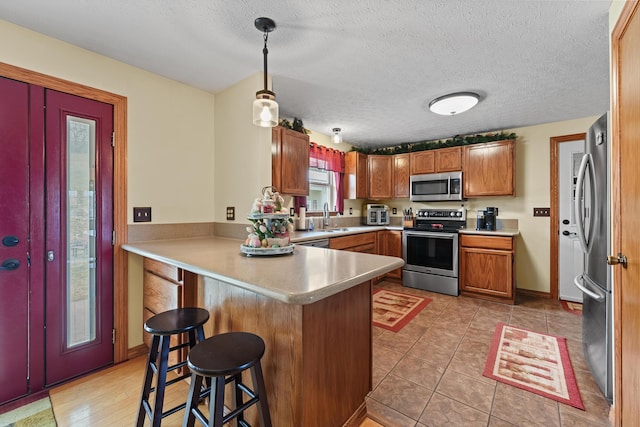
x=302, y=277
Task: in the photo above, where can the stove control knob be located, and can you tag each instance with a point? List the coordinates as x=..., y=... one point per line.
x=452, y=214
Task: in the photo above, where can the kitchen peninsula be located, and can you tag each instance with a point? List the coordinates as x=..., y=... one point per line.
x=312, y=308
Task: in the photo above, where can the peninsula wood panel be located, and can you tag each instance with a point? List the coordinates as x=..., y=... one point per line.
x=489, y=169
x=448, y=159
x=380, y=177
x=401, y=175
x=317, y=362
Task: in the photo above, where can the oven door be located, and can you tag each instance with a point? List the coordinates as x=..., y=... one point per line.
x=430, y=252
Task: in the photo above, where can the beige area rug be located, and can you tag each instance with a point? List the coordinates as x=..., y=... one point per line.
x=535, y=362
x=393, y=310
x=35, y=414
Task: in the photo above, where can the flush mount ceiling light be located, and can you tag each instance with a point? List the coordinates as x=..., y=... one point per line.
x=336, y=138
x=454, y=103
x=265, y=107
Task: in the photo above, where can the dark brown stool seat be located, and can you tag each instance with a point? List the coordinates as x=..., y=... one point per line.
x=162, y=326
x=223, y=358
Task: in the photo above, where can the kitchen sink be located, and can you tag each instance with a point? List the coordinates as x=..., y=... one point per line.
x=331, y=230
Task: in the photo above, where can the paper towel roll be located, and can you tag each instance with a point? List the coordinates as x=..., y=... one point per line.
x=302, y=220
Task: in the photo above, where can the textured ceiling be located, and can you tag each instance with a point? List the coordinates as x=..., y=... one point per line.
x=369, y=67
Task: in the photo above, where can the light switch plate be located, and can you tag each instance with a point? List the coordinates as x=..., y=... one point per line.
x=142, y=214
x=541, y=211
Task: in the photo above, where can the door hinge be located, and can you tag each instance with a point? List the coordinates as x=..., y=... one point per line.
x=28, y=259
x=113, y=238
x=113, y=336
x=113, y=139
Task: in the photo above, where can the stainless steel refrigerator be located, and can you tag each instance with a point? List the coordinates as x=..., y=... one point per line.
x=592, y=205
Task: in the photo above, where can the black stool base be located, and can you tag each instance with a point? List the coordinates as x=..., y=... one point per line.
x=223, y=358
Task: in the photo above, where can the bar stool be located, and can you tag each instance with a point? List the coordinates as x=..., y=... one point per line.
x=162, y=326
x=222, y=359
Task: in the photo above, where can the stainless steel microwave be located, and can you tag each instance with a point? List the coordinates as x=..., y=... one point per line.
x=434, y=187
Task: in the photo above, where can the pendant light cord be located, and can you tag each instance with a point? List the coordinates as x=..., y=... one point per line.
x=265, y=52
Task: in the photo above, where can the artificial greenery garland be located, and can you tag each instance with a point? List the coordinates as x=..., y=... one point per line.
x=456, y=141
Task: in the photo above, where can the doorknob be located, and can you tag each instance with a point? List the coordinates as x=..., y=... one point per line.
x=617, y=259
x=568, y=233
x=10, y=264
x=10, y=241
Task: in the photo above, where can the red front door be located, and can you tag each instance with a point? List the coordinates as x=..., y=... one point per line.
x=14, y=234
x=78, y=244
x=56, y=222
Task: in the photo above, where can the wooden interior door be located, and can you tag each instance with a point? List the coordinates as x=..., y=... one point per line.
x=626, y=202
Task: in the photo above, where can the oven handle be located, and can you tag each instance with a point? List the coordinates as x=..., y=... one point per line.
x=430, y=234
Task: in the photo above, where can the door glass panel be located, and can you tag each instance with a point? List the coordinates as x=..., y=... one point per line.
x=81, y=231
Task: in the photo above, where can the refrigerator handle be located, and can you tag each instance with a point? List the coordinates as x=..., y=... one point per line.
x=595, y=296
x=578, y=203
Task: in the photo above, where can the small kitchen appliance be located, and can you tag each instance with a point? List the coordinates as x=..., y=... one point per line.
x=430, y=250
x=374, y=214
x=490, y=215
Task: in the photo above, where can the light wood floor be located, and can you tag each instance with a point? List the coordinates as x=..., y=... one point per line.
x=110, y=398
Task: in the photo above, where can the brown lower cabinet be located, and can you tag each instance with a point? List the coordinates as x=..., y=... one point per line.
x=487, y=267
x=390, y=244
x=363, y=242
x=163, y=288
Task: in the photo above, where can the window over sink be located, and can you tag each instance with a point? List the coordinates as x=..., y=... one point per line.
x=322, y=189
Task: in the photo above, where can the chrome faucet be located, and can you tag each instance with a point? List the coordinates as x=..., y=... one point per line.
x=325, y=215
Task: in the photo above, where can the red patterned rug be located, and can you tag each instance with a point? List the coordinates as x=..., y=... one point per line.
x=393, y=310
x=535, y=362
x=572, y=307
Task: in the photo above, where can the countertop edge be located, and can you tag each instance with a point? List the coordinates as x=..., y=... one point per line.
x=301, y=298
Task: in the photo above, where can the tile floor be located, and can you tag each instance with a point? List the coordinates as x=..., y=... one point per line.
x=430, y=372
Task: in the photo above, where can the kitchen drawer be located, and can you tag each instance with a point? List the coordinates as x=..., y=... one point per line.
x=487, y=242
x=352, y=241
x=170, y=272
x=160, y=294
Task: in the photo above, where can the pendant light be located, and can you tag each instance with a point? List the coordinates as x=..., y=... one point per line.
x=265, y=108
x=336, y=138
x=454, y=103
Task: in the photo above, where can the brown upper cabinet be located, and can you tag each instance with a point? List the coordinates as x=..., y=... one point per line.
x=489, y=169
x=290, y=161
x=448, y=159
x=436, y=161
x=423, y=162
x=401, y=175
x=380, y=176
x=356, y=177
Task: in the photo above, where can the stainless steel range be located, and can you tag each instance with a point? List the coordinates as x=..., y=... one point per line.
x=430, y=250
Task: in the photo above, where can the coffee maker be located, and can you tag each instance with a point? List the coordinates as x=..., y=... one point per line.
x=490, y=215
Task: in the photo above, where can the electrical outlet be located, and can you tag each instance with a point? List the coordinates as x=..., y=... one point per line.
x=231, y=213
x=141, y=214
x=541, y=211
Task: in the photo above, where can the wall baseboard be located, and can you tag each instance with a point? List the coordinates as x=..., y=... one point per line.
x=136, y=351
x=532, y=293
